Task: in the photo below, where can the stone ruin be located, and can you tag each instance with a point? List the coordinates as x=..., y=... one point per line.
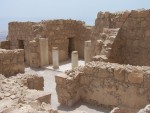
x=116, y=72
x=11, y=62
x=119, y=74
x=22, y=93
x=39, y=38
x=105, y=84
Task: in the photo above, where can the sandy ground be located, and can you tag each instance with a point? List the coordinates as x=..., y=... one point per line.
x=49, y=85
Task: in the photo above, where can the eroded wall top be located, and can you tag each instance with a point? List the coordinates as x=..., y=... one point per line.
x=20, y=31
x=130, y=44
x=108, y=84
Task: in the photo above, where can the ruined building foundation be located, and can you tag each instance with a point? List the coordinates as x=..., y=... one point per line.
x=116, y=51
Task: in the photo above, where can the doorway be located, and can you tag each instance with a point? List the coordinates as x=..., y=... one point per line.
x=71, y=46
x=21, y=44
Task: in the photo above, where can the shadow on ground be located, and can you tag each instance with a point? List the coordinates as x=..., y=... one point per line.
x=81, y=104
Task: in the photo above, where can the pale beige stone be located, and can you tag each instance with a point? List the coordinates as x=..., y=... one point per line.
x=97, y=85
x=43, y=43
x=136, y=76
x=55, y=57
x=74, y=59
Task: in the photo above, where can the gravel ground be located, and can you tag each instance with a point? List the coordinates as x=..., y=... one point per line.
x=49, y=83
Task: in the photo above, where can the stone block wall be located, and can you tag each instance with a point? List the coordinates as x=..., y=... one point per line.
x=103, y=31
x=19, y=34
x=132, y=46
x=5, y=45
x=35, y=82
x=20, y=31
x=59, y=32
x=23, y=93
x=107, y=84
x=110, y=20
x=11, y=62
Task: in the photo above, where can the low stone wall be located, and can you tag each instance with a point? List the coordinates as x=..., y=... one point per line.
x=107, y=84
x=5, y=45
x=11, y=62
x=20, y=31
x=104, y=43
x=35, y=82
x=21, y=94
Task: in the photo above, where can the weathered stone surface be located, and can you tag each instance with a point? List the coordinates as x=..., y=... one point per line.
x=5, y=45
x=136, y=76
x=60, y=79
x=15, y=97
x=121, y=37
x=35, y=82
x=128, y=45
x=11, y=62
x=32, y=95
x=119, y=73
x=58, y=33
x=101, y=82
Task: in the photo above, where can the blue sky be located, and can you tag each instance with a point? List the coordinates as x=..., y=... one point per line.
x=86, y=10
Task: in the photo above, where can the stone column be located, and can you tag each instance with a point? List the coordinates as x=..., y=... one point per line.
x=74, y=59
x=55, y=57
x=87, y=51
x=43, y=44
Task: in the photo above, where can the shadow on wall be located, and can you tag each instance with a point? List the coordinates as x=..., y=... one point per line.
x=71, y=46
x=132, y=44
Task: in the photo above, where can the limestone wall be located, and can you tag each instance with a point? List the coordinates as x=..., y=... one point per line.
x=24, y=93
x=132, y=46
x=20, y=31
x=5, y=45
x=104, y=31
x=59, y=32
x=104, y=43
x=110, y=20
x=106, y=84
x=19, y=34
x=11, y=62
